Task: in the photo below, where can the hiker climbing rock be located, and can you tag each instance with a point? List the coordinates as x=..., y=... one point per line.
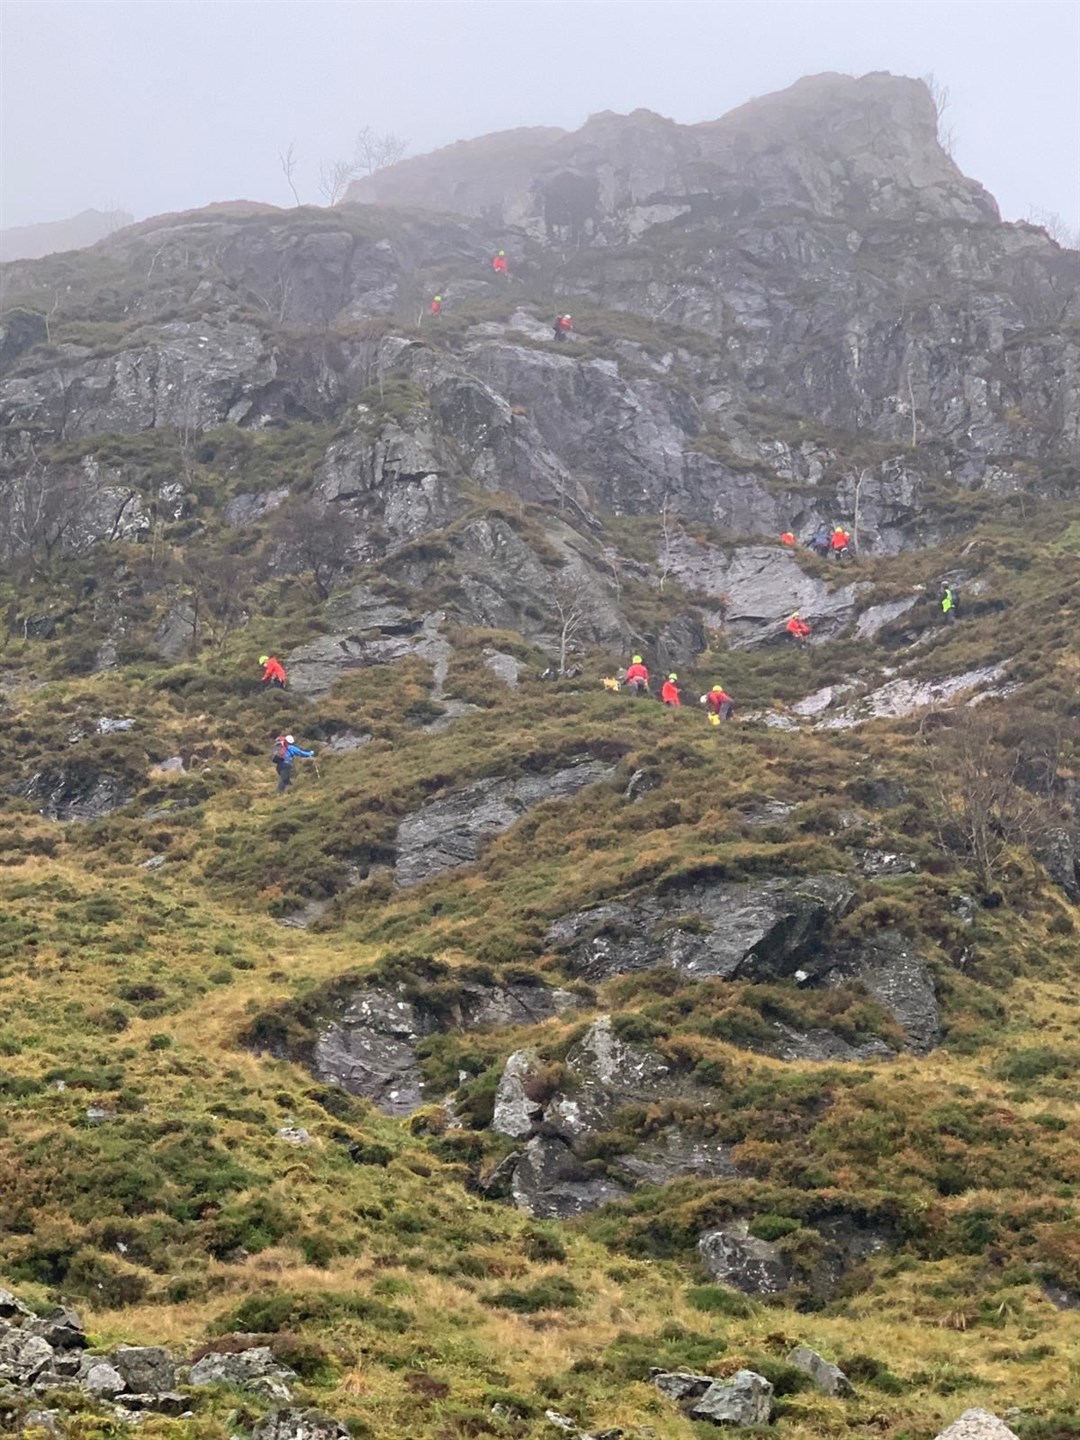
x=820, y=540
x=636, y=678
x=436, y=306
x=840, y=543
x=718, y=704
x=273, y=675
x=499, y=265
x=564, y=326
x=798, y=629
x=669, y=692
x=286, y=751
x=948, y=604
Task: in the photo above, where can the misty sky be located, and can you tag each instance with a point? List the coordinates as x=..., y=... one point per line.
x=169, y=104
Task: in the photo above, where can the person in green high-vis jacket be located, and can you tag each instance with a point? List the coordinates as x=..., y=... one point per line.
x=948, y=604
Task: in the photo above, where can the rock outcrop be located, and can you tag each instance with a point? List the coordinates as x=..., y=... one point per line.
x=451, y=832
x=705, y=929
x=743, y=1399
x=371, y=1049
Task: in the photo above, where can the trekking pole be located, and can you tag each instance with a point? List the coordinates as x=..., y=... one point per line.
x=318, y=772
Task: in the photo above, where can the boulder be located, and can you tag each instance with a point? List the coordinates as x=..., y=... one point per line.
x=679, y=1385
x=828, y=1377
x=977, y=1425
x=452, y=831
x=740, y=1260
x=62, y=1329
x=144, y=1368
x=23, y=1357
x=242, y=1369
x=744, y=1399
x=707, y=929
x=12, y=1308
x=103, y=1379
x=551, y=1183
x=294, y=1424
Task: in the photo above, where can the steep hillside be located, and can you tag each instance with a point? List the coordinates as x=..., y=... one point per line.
x=542, y=1043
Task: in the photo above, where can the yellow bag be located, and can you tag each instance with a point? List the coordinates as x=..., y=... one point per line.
x=714, y=718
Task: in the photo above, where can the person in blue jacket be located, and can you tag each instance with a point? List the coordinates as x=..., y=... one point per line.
x=286, y=751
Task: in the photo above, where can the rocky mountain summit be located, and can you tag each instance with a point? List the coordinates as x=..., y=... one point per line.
x=545, y=1059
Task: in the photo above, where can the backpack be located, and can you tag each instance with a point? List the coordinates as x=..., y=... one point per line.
x=281, y=749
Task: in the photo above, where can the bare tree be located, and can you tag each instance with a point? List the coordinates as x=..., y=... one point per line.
x=665, y=539
x=287, y=161
x=939, y=94
x=335, y=176
x=47, y=514
x=216, y=586
x=1055, y=225
x=977, y=765
x=315, y=541
x=864, y=475
x=566, y=598
x=375, y=150
x=613, y=560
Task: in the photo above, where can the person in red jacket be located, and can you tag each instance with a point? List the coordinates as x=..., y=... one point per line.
x=273, y=674
x=637, y=677
x=564, y=327
x=797, y=628
x=840, y=542
x=669, y=691
x=436, y=305
x=499, y=265
x=718, y=703
x=787, y=538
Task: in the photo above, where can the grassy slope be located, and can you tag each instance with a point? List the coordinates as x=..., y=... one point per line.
x=134, y=989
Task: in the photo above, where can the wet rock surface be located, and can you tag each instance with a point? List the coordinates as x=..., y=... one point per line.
x=726, y=930
x=889, y=966
x=553, y=1176
x=451, y=832
x=371, y=1049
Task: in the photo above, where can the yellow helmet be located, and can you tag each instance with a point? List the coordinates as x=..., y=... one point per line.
x=637, y=660
x=716, y=685
x=673, y=677
x=263, y=659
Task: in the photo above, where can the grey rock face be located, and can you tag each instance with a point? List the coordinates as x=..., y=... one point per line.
x=62, y=1329
x=549, y=1178
x=103, y=1379
x=77, y=793
x=720, y=929
x=295, y=1424
x=828, y=1377
x=452, y=831
x=551, y=1183
x=23, y=1357
x=735, y=1257
x=977, y=1425
x=745, y=1399
x=893, y=972
x=759, y=586
x=371, y=1050
x=680, y=1385
x=145, y=1368
x=242, y=1369
x=823, y=1045
x=672, y=1154
x=12, y=1308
